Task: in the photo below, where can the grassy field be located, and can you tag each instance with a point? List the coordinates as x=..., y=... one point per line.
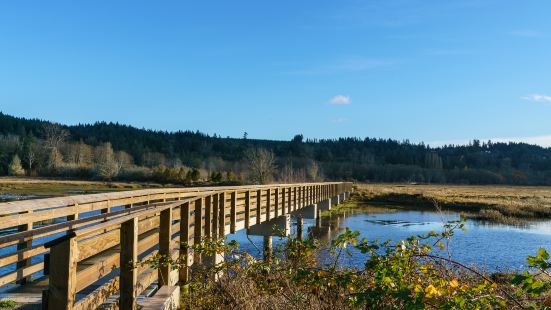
x=507, y=204
x=49, y=187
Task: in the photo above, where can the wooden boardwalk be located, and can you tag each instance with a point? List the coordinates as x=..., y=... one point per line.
x=70, y=252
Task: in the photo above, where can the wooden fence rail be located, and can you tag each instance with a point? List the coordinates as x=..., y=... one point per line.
x=95, y=236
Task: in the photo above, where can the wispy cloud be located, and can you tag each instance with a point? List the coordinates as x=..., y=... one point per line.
x=448, y=52
x=347, y=65
x=538, y=98
x=338, y=120
x=340, y=99
x=526, y=33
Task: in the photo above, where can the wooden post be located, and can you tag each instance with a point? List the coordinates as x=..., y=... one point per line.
x=165, y=240
x=268, y=247
x=276, y=202
x=208, y=216
x=258, y=205
x=283, y=200
x=289, y=199
x=184, y=239
x=198, y=225
x=222, y=216
x=233, y=211
x=25, y=244
x=63, y=277
x=295, y=200
x=105, y=210
x=300, y=227
x=268, y=204
x=303, y=196
x=128, y=257
x=247, y=209
x=215, y=214
x=318, y=218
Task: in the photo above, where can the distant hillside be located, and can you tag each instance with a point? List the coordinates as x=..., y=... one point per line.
x=175, y=156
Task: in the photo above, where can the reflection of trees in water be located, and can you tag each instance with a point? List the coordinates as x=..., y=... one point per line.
x=329, y=227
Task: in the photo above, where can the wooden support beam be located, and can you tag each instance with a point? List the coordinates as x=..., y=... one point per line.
x=128, y=257
x=63, y=276
x=283, y=200
x=289, y=199
x=233, y=211
x=215, y=215
x=258, y=205
x=268, y=248
x=295, y=200
x=222, y=216
x=300, y=227
x=165, y=241
x=276, y=202
x=247, y=209
x=27, y=243
x=268, y=203
x=184, y=238
x=208, y=216
x=198, y=225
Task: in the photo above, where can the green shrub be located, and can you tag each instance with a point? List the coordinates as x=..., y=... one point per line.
x=402, y=275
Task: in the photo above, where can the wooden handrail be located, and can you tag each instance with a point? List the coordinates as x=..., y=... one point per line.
x=218, y=211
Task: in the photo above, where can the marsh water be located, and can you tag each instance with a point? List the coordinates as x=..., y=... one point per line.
x=488, y=246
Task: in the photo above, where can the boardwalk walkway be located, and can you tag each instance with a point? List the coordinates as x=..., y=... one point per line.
x=70, y=252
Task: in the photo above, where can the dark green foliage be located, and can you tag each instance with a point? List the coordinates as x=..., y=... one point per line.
x=365, y=160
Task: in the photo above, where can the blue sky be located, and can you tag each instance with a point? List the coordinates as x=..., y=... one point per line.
x=435, y=71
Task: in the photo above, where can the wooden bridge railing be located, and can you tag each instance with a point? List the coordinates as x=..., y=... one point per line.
x=93, y=263
x=28, y=225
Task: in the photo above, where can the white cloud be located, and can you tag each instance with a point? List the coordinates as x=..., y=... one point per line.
x=340, y=99
x=538, y=98
x=526, y=33
x=338, y=120
x=448, y=52
x=342, y=66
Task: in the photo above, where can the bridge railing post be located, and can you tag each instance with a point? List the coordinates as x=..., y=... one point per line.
x=184, y=246
x=198, y=226
x=247, y=208
x=128, y=257
x=63, y=274
x=233, y=211
x=165, y=249
x=258, y=206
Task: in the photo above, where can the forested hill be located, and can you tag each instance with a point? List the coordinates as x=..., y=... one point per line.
x=185, y=156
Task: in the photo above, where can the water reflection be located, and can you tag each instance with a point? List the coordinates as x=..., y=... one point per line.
x=488, y=246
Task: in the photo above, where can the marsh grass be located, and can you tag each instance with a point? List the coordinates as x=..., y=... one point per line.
x=502, y=204
x=53, y=187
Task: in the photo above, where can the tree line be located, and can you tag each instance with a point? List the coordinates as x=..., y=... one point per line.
x=113, y=151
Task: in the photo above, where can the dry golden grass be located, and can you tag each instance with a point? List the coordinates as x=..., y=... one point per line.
x=503, y=203
x=55, y=187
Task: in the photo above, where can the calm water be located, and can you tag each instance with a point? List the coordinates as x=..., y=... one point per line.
x=491, y=247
